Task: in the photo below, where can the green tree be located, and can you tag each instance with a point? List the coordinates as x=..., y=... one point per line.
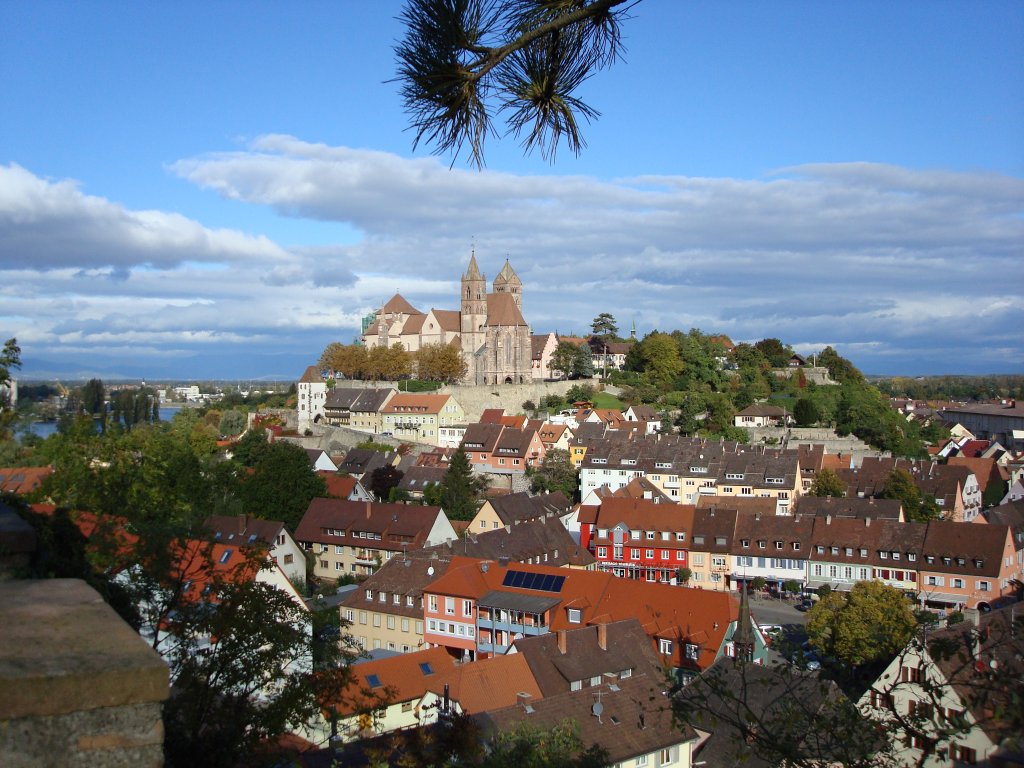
x=248, y=444
x=873, y=623
x=555, y=473
x=232, y=423
x=10, y=357
x=839, y=368
x=806, y=412
x=683, y=576
x=459, y=489
x=281, y=484
x=583, y=363
x=827, y=483
x=94, y=397
x=580, y=393
x=564, y=358
x=899, y=484
x=775, y=352
x=604, y=325
x=459, y=64
x=661, y=362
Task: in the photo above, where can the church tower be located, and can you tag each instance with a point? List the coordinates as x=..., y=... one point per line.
x=508, y=281
x=474, y=298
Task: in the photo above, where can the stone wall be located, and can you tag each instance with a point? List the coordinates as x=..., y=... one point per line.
x=474, y=400
x=80, y=687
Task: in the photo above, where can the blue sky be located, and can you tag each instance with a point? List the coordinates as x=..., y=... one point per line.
x=197, y=190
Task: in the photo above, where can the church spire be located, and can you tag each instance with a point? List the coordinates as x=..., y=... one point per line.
x=743, y=637
x=473, y=271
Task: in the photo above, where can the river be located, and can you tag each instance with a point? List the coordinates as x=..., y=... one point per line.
x=46, y=428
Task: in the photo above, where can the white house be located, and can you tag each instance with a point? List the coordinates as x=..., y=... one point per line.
x=312, y=394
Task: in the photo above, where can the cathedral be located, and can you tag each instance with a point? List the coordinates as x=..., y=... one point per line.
x=488, y=328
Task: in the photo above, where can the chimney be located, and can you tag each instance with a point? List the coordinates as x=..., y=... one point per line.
x=562, y=642
x=867, y=522
x=828, y=519
x=368, y=510
x=602, y=636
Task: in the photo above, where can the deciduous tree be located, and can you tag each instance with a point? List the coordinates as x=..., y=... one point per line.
x=873, y=622
x=440, y=362
x=555, y=473
x=827, y=483
x=281, y=484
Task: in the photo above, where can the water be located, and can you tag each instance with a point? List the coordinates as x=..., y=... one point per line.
x=46, y=428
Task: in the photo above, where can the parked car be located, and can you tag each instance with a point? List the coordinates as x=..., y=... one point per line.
x=805, y=605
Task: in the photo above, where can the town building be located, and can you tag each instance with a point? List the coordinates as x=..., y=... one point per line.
x=419, y=418
x=489, y=328
x=356, y=538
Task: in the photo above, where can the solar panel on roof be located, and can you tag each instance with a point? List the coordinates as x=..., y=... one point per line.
x=542, y=582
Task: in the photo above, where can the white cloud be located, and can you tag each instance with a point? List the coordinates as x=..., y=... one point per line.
x=897, y=266
x=49, y=225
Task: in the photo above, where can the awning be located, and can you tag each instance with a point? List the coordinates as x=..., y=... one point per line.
x=942, y=597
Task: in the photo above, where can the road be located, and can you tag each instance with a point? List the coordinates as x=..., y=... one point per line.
x=771, y=611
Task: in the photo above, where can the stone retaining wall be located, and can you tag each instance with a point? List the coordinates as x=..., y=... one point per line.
x=80, y=687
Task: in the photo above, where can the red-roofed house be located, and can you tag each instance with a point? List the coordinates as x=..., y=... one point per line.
x=419, y=417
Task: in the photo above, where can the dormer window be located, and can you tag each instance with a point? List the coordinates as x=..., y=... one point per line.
x=745, y=543
x=820, y=549
x=884, y=555
x=761, y=544
x=895, y=555
x=778, y=545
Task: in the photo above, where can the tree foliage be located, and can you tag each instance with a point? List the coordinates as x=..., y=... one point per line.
x=460, y=488
x=899, y=484
x=658, y=358
x=827, y=483
x=440, y=362
x=555, y=473
x=872, y=623
x=462, y=63
x=806, y=412
x=281, y=484
x=604, y=325
x=10, y=357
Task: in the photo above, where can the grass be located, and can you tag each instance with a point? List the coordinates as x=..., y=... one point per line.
x=604, y=400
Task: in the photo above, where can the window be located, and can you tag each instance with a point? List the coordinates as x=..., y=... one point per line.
x=634, y=554
x=650, y=534
x=664, y=646
x=405, y=625
x=362, y=617
x=467, y=607
x=391, y=622
x=681, y=536
x=602, y=552
x=407, y=706
x=642, y=760
x=958, y=583
x=745, y=543
x=778, y=545
x=691, y=651
x=575, y=616
x=667, y=756
x=339, y=550
x=376, y=619
x=433, y=603
x=761, y=544
x=680, y=554
x=796, y=546
x=984, y=586
x=288, y=559
x=649, y=554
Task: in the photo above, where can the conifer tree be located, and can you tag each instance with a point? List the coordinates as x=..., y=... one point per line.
x=459, y=489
